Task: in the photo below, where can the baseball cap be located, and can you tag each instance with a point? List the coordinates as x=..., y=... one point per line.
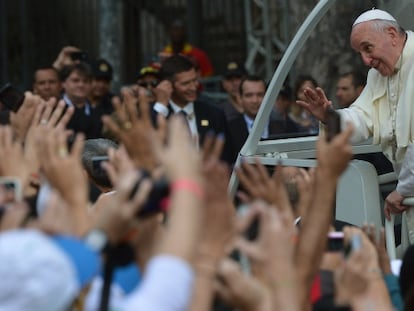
x=234, y=69
x=101, y=68
x=148, y=70
x=372, y=15
x=42, y=273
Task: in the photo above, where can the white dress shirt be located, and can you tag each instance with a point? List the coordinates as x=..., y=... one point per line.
x=249, y=122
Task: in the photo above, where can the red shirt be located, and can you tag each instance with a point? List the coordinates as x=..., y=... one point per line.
x=203, y=62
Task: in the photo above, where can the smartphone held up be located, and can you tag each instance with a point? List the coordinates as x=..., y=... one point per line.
x=333, y=124
x=10, y=190
x=10, y=97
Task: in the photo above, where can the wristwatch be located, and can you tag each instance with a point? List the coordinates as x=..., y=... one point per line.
x=97, y=240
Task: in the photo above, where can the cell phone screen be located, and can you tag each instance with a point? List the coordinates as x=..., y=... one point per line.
x=335, y=242
x=333, y=124
x=11, y=189
x=11, y=98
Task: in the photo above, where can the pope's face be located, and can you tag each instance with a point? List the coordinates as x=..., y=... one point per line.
x=378, y=49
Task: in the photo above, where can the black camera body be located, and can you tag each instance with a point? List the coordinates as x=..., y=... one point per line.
x=10, y=97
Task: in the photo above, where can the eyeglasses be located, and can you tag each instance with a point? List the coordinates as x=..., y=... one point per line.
x=153, y=83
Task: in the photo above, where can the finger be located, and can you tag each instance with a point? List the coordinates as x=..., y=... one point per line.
x=67, y=115
x=7, y=137
x=112, y=126
x=207, y=145
x=262, y=172
x=247, y=248
x=243, y=197
x=382, y=240
x=161, y=127
x=222, y=289
x=144, y=111
x=269, y=219
x=116, y=101
x=321, y=94
x=311, y=95
x=218, y=146
x=111, y=172
x=303, y=104
x=119, y=110
x=61, y=143
x=244, y=221
x=122, y=162
x=158, y=149
x=179, y=132
x=251, y=171
x=47, y=112
x=131, y=106
x=141, y=196
x=57, y=109
x=245, y=181
x=283, y=202
x=77, y=146
x=125, y=185
x=2, y=136
x=387, y=212
x=38, y=113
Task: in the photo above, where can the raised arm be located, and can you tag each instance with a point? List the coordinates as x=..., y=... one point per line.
x=333, y=158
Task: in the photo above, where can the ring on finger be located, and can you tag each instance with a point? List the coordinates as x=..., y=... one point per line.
x=62, y=152
x=43, y=122
x=127, y=125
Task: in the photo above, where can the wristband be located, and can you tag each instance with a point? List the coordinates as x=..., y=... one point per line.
x=189, y=185
x=97, y=240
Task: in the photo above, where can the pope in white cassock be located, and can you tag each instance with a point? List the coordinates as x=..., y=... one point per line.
x=385, y=108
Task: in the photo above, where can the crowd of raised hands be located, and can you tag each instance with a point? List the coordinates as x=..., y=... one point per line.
x=196, y=252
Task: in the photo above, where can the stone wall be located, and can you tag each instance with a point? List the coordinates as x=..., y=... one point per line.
x=327, y=52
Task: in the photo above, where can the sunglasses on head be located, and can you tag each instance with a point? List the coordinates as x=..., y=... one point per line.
x=153, y=83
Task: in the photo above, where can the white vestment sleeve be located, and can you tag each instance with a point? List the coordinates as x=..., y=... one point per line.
x=405, y=185
x=361, y=130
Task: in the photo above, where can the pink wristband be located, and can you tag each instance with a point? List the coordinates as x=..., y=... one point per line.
x=189, y=185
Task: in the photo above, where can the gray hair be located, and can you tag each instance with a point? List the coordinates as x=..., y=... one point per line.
x=380, y=25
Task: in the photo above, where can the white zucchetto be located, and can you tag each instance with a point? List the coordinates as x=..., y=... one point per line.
x=374, y=14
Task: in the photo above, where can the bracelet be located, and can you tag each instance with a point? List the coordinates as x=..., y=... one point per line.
x=189, y=185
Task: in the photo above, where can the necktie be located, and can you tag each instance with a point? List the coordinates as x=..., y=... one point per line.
x=184, y=115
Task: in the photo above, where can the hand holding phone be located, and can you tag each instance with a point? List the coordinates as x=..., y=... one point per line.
x=81, y=56
x=11, y=189
x=335, y=241
x=333, y=124
x=10, y=97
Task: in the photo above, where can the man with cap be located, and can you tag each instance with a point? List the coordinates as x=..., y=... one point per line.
x=148, y=77
x=384, y=110
x=100, y=95
x=231, y=84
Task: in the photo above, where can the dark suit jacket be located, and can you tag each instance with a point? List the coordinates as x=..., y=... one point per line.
x=239, y=132
x=210, y=118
